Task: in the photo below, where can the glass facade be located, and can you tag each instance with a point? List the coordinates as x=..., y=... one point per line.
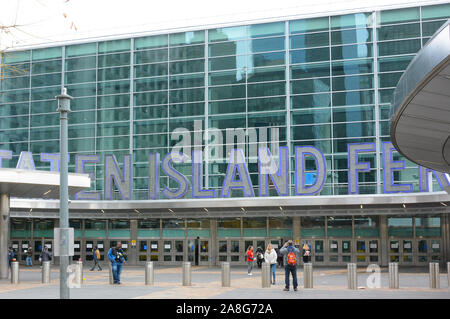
x=323, y=82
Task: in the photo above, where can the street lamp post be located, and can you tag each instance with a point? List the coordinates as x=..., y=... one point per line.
x=64, y=108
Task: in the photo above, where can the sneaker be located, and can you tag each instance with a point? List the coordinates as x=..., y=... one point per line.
x=285, y=289
x=295, y=289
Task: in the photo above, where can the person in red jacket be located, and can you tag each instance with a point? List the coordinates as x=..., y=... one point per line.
x=249, y=255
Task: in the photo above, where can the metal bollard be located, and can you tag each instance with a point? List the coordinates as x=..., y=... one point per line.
x=111, y=277
x=448, y=274
x=46, y=272
x=149, y=273
x=308, y=275
x=15, y=272
x=186, y=273
x=434, y=276
x=393, y=276
x=265, y=275
x=226, y=274
x=79, y=273
x=352, y=278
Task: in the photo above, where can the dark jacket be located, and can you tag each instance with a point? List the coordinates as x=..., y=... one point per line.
x=45, y=255
x=116, y=255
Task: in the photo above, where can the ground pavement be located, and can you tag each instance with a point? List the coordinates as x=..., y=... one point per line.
x=329, y=283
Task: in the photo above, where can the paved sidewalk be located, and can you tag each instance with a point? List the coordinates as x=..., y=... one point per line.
x=329, y=283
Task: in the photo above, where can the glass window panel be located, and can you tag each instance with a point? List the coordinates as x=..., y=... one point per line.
x=114, y=59
x=109, y=129
x=400, y=226
x=266, y=89
x=353, y=98
x=112, y=143
x=222, y=107
x=227, y=77
x=89, y=62
x=401, y=31
x=308, y=25
x=389, y=79
x=311, y=132
x=398, y=63
x=309, y=40
x=80, y=77
x=312, y=226
x=428, y=226
x=149, y=99
x=265, y=59
x=351, y=36
x=189, y=52
x=354, y=129
x=226, y=34
x=47, y=53
x=150, y=84
x=399, y=47
x=234, y=62
x=14, y=57
x=18, y=109
x=271, y=119
x=151, y=42
x=435, y=12
x=15, y=83
x=352, y=67
x=310, y=55
x=81, y=49
x=15, y=96
x=150, y=70
x=10, y=70
x=351, y=51
x=109, y=116
x=190, y=37
x=47, y=93
x=227, y=92
x=114, y=46
x=111, y=101
x=113, y=87
x=266, y=29
x=266, y=104
x=150, y=56
x=188, y=95
x=113, y=73
x=351, y=21
x=429, y=28
x=191, y=80
x=46, y=67
x=229, y=121
x=356, y=82
x=227, y=48
x=310, y=70
x=354, y=114
x=189, y=109
x=145, y=127
x=311, y=117
x=310, y=86
x=262, y=45
x=399, y=15
x=190, y=66
x=150, y=112
x=311, y=100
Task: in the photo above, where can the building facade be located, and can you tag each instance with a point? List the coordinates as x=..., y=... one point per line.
x=316, y=91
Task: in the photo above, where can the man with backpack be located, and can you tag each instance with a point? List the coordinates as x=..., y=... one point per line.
x=117, y=258
x=290, y=263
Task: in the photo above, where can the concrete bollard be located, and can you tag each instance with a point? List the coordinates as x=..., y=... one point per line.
x=46, y=272
x=15, y=272
x=186, y=273
x=149, y=273
x=393, y=276
x=308, y=275
x=434, y=276
x=111, y=277
x=448, y=274
x=226, y=274
x=79, y=273
x=352, y=277
x=265, y=275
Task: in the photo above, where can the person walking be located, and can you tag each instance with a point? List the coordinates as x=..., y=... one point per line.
x=10, y=256
x=290, y=264
x=29, y=261
x=116, y=257
x=45, y=255
x=306, y=253
x=96, y=253
x=249, y=255
x=270, y=257
x=279, y=257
